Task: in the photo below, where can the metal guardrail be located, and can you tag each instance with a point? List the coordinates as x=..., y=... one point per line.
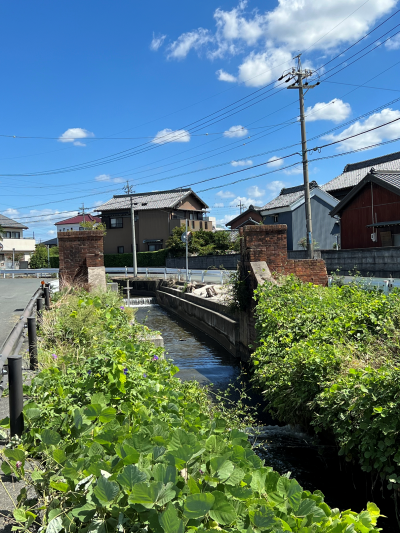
x=219, y=276
x=11, y=358
x=37, y=271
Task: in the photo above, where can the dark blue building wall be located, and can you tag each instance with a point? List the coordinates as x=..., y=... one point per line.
x=284, y=218
x=324, y=227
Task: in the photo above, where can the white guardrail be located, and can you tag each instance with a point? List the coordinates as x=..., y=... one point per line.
x=212, y=276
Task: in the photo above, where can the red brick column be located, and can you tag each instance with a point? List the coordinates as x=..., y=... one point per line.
x=79, y=251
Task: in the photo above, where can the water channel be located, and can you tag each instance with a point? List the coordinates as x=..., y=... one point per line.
x=314, y=463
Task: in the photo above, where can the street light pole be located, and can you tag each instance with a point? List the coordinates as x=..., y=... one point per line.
x=129, y=190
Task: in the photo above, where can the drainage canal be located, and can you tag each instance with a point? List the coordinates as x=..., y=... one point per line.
x=314, y=463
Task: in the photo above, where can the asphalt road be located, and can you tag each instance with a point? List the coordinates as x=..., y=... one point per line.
x=14, y=296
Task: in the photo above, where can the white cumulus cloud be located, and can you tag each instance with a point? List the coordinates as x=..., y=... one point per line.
x=255, y=191
x=157, y=42
x=51, y=232
x=10, y=212
x=242, y=163
x=243, y=200
x=236, y=131
x=225, y=194
x=107, y=177
x=293, y=171
x=275, y=162
x=219, y=204
x=171, y=136
x=263, y=67
x=336, y=110
x=391, y=131
x=275, y=187
x=73, y=134
x=180, y=48
x=393, y=43
x=225, y=76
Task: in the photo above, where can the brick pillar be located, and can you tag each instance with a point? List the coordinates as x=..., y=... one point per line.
x=82, y=259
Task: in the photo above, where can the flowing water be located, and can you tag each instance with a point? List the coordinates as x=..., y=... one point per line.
x=314, y=463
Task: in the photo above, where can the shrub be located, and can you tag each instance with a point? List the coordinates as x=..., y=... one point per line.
x=39, y=257
x=329, y=358
x=54, y=261
x=144, y=259
x=114, y=442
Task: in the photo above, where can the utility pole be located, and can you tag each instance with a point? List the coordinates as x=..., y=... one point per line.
x=299, y=75
x=83, y=211
x=187, y=251
x=129, y=190
x=240, y=206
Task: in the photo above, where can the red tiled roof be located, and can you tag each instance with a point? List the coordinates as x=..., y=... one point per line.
x=78, y=219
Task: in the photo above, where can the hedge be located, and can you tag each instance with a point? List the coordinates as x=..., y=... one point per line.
x=144, y=259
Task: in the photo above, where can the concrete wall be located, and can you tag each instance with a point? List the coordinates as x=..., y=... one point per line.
x=378, y=262
x=228, y=262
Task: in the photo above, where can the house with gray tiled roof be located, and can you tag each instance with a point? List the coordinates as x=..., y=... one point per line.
x=289, y=208
x=370, y=212
x=250, y=217
x=352, y=174
x=157, y=213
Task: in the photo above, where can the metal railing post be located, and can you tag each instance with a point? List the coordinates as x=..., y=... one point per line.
x=32, y=342
x=12, y=275
x=39, y=309
x=179, y=274
x=190, y=276
x=147, y=273
x=386, y=286
x=329, y=281
x=126, y=272
x=222, y=277
x=16, y=400
x=165, y=273
x=202, y=276
x=47, y=298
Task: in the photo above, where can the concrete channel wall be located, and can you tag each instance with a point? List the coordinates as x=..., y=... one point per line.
x=378, y=262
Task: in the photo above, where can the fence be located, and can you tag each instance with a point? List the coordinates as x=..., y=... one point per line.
x=11, y=358
x=211, y=276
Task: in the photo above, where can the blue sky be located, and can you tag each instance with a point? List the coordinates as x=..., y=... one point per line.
x=83, y=81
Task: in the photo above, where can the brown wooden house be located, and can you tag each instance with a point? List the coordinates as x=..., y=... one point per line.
x=370, y=212
x=250, y=217
x=156, y=215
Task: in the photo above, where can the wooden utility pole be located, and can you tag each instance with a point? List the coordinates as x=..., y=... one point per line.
x=129, y=190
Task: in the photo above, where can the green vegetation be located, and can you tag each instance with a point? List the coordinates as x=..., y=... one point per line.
x=329, y=358
x=94, y=226
x=115, y=443
x=39, y=257
x=202, y=242
x=144, y=259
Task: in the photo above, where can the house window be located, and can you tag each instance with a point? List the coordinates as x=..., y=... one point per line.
x=120, y=249
x=275, y=218
x=205, y=225
x=154, y=247
x=15, y=234
x=201, y=225
x=116, y=222
x=191, y=216
x=192, y=224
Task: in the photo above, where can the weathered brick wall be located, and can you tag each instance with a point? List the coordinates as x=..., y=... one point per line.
x=79, y=251
x=269, y=243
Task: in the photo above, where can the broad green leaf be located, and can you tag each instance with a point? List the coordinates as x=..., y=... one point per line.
x=271, y=481
x=5, y=422
x=294, y=494
x=150, y=494
x=236, y=477
x=198, y=505
x=54, y=525
x=241, y=493
x=193, y=487
x=221, y=467
x=98, y=398
x=32, y=413
x=181, y=438
x=96, y=449
x=53, y=513
x=107, y=414
x=59, y=456
x=50, y=437
x=15, y=455
x=6, y=468
x=222, y=510
x=263, y=519
x=130, y=476
x=140, y=442
x=164, y=473
x=20, y=515
x=85, y=512
x=106, y=491
x=170, y=522
x=306, y=507
x=92, y=411
x=258, y=480
x=78, y=419
x=374, y=512
x=59, y=485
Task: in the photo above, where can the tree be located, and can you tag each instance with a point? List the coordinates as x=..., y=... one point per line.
x=39, y=257
x=202, y=242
